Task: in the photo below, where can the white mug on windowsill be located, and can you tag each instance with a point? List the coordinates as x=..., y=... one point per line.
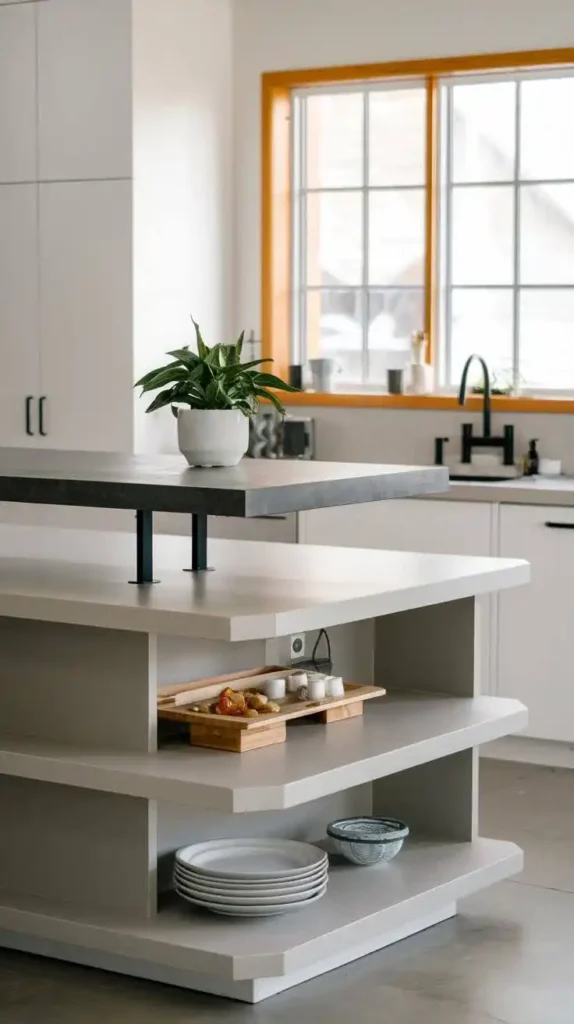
x=322, y=373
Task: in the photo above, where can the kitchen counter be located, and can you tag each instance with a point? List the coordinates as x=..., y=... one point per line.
x=83, y=653
x=524, y=491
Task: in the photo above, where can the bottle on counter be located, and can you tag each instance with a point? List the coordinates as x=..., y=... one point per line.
x=531, y=460
x=421, y=372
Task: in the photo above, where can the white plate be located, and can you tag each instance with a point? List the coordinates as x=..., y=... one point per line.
x=252, y=859
x=250, y=887
x=257, y=911
x=260, y=900
x=258, y=894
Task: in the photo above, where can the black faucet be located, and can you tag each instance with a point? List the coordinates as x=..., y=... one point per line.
x=469, y=441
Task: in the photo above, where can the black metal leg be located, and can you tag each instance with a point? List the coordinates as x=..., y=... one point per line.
x=144, y=521
x=199, y=543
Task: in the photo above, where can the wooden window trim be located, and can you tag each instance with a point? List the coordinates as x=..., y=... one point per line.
x=276, y=212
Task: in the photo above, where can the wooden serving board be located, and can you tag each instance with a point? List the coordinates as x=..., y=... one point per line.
x=235, y=733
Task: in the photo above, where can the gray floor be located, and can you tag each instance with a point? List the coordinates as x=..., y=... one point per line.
x=508, y=958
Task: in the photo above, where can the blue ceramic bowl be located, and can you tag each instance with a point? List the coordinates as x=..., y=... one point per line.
x=366, y=840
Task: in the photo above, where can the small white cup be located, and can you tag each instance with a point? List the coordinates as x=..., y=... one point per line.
x=295, y=681
x=275, y=689
x=316, y=688
x=335, y=686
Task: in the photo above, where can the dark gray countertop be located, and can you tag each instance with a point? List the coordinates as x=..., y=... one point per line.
x=163, y=483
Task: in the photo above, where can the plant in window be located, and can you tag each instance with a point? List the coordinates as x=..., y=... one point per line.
x=212, y=394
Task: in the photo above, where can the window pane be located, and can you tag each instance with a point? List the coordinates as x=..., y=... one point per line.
x=397, y=137
x=547, y=141
x=547, y=234
x=334, y=238
x=335, y=140
x=482, y=235
x=334, y=330
x=482, y=322
x=484, y=131
x=396, y=237
x=547, y=338
x=393, y=316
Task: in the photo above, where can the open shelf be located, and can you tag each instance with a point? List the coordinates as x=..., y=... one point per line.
x=395, y=733
x=361, y=904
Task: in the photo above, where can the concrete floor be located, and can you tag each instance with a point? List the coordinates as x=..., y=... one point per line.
x=507, y=959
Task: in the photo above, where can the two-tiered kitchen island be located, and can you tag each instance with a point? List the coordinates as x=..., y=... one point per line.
x=92, y=811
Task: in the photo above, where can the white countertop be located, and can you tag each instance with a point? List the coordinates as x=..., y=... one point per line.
x=258, y=591
x=527, y=490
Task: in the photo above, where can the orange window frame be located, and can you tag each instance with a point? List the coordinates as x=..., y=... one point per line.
x=276, y=208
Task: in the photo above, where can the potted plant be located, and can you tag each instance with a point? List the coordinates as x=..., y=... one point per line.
x=212, y=394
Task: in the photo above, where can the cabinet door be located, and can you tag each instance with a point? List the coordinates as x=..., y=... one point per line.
x=535, y=634
x=18, y=312
x=86, y=314
x=18, y=155
x=84, y=80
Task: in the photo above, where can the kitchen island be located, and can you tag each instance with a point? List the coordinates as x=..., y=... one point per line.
x=93, y=810
x=94, y=804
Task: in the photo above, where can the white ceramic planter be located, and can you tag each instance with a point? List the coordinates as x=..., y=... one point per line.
x=212, y=437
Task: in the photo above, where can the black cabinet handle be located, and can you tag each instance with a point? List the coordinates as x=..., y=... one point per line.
x=43, y=433
x=559, y=526
x=29, y=400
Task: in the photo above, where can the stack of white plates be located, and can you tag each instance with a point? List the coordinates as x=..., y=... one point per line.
x=251, y=877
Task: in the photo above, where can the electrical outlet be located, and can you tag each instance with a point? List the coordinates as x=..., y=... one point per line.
x=297, y=646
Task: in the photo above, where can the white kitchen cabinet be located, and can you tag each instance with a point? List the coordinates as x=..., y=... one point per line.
x=535, y=627
x=442, y=527
x=85, y=318
x=18, y=150
x=19, y=374
x=85, y=89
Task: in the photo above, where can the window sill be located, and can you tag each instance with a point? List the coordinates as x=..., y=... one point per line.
x=502, y=403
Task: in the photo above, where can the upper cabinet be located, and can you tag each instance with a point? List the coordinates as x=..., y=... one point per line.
x=19, y=378
x=18, y=152
x=85, y=89
x=86, y=314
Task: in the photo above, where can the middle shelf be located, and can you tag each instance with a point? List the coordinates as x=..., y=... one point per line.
x=393, y=735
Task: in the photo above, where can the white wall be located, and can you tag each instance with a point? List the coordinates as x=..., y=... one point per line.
x=272, y=35
x=182, y=85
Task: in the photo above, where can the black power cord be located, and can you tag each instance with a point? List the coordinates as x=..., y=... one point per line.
x=321, y=634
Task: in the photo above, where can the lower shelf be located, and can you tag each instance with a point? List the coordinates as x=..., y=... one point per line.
x=365, y=908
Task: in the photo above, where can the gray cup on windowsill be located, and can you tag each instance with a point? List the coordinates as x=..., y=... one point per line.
x=395, y=382
x=323, y=374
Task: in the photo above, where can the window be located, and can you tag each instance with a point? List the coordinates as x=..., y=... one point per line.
x=359, y=215
x=439, y=197
x=508, y=225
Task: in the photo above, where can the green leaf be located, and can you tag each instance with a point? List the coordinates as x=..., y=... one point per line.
x=271, y=381
x=164, y=398
x=239, y=368
x=262, y=393
x=171, y=374
x=152, y=373
x=202, y=348
x=239, y=347
x=185, y=356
